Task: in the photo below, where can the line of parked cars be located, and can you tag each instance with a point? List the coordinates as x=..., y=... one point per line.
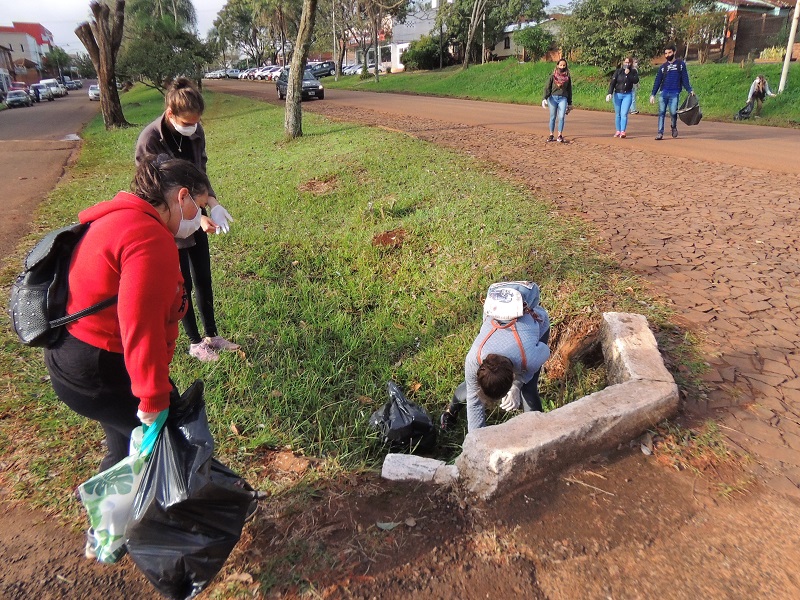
x=22, y=94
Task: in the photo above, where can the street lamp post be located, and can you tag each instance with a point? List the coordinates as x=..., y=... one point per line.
x=789, y=47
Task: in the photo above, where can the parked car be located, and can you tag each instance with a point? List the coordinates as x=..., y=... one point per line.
x=353, y=69
x=323, y=69
x=45, y=93
x=246, y=73
x=312, y=87
x=18, y=98
x=54, y=87
x=94, y=92
x=231, y=73
x=71, y=84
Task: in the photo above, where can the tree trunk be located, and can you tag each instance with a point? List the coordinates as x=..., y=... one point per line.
x=293, y=119
x=477, y=14
x=102, y=38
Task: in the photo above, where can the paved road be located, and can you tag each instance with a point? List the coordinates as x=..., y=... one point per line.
x=709, y=219
x=743, y=145
x=35, y=146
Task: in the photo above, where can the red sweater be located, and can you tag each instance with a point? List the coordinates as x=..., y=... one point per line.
x=129, y=251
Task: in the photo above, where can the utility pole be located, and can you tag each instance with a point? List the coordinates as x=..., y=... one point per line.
x=789, y=47
x=335, y=41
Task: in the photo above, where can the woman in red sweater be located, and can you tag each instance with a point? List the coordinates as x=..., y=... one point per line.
x=113, y=363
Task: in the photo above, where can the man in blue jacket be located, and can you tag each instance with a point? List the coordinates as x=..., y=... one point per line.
x=671, y=78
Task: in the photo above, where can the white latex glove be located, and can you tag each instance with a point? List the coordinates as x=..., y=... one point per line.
x=513, y=399
x=652, y=99
x=608, y=98
x=544, y=103
x=222, y=218
x=147, y=418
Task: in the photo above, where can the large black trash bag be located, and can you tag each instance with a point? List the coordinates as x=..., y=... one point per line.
x=744, y=112
x=403, y=425
x=190, y=509
x=690, y=112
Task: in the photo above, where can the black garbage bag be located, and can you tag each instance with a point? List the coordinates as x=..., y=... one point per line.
x=403, y=425
x=190, y=509
x=744, y=112
x=689, y=111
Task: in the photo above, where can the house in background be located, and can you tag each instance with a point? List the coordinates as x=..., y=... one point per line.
x=6, y=70
x=506, y=47
x=752, y=25
x=29, y=42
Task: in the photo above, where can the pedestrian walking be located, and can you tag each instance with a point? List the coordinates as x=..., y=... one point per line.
x=635, y=93
x=671, y=78
x=620, y=89
x=178, y=132
x=558, y=98
x=759, y=90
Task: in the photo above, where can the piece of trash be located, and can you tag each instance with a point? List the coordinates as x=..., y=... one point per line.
x=240, y=578
x=410, y=522
x=387, y=526
x=645, y=450
x=235, y=429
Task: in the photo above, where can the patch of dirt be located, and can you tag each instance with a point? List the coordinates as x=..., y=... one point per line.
x=320, y=187
x=389, y=239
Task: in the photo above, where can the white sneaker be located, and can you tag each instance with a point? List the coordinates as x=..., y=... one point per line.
x=90, y=550
x=220, y=343
x=203, y=351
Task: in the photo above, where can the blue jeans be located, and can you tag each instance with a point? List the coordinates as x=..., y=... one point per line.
x=557, y=104
x=622, y=105
x=667, y=101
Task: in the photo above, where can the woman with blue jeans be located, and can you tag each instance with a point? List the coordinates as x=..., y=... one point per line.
x=620, y=89
x=558, y=98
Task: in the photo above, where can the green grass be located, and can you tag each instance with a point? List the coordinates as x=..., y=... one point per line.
x=324, y=317
x=721, y=88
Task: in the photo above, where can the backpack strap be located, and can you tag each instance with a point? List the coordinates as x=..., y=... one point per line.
x=512, y=324
x=66, y=319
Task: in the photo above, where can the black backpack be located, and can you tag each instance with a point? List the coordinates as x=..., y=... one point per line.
x=403, y=425
x=38, y=302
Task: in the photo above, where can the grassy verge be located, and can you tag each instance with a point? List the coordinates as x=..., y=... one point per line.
x=722, y=89
x=324, y=317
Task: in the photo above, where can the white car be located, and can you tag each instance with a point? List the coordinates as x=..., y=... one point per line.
x=94, y=92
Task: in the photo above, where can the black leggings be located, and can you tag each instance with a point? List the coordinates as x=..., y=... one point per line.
x=196, y=271
x=95, y=383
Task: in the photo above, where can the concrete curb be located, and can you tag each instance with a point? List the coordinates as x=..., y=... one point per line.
x=532, y=446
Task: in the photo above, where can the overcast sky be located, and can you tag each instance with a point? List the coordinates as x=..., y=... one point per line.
x=61, y=17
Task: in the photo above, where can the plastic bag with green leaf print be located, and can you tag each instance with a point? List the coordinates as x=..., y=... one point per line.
x=109, y=496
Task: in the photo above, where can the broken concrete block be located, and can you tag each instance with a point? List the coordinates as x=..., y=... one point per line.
x=407, y=467
x=446, y=475
x=630, y=349
x=533, y=445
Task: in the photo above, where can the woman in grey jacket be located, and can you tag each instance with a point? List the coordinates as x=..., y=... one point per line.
x=178, y=133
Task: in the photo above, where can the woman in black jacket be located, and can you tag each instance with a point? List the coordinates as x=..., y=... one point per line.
x=558, y=98
x=621, y=90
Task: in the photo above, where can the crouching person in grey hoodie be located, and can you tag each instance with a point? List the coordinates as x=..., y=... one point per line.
x=505, y=360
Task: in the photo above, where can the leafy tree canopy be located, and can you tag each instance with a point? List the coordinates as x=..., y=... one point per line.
x=160, y=52
x=536, y=41
x=602, y=32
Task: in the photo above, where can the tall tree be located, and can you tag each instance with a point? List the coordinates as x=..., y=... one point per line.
x=102, y=38
x=602, y=32
x=293, y=119
x=57, y=60
x=160, y=52
x=182, y=12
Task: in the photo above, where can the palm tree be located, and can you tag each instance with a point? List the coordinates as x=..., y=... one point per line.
x=182, y=12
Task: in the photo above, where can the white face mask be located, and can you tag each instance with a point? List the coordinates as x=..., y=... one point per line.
x=187, y=227
x=186, y=130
